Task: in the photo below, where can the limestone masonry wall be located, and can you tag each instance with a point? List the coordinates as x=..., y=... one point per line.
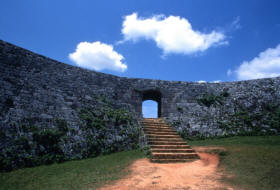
x=38, y=91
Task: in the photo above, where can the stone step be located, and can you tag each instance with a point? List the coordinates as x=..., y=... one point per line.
x=154, y=122
x=168, y=155
x=171, y=150
x=145, y=125
x=163, y=136
x=165, y=143
x=151, y=120
x=170, y=146
x=160, y=133
x=166, y=139
x=171, y=160
x=156, y=135
x=153, y=125
x=158, y=130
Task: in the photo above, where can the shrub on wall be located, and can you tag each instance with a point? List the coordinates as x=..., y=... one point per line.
x=211, y=99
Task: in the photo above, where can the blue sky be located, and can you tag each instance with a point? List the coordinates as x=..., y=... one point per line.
x=185, y=40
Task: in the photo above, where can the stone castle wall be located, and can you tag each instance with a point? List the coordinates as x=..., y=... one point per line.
x=36, y=90
x=43, y=89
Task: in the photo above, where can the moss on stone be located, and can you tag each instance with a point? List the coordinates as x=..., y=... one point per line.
x=212, y=99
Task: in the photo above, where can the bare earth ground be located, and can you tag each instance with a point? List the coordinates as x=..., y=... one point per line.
x=196, y=175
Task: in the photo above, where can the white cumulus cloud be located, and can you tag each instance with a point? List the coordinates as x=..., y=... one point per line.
x=201, y=81
x=216, y=81
x=266, y=64
x=172, y=34
x=97, y=56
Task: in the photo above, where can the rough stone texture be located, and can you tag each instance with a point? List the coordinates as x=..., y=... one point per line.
x=37, y=87
x=36, y=90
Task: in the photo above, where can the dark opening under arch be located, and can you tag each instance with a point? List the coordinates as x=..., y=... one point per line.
x=153, y=95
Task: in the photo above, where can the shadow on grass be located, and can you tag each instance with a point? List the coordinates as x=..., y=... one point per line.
x=82, y=174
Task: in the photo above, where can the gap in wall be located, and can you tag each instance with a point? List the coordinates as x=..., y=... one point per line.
x=149, y=109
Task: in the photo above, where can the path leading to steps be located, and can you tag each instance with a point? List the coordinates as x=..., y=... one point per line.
x=196, y=175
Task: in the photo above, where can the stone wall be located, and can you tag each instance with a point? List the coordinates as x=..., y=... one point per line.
x=38, y=91
x=50, y=111
x=215, y=109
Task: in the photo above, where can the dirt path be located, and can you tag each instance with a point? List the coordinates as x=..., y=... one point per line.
x=197, y=175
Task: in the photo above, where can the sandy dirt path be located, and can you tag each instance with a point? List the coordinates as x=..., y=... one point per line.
x=197, y=175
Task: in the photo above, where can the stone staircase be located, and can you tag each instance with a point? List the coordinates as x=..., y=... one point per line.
x=165, y=144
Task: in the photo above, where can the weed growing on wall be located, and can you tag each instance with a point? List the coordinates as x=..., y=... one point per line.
x=211, y=99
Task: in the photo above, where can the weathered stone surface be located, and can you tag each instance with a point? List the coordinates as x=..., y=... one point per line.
x=36, y=91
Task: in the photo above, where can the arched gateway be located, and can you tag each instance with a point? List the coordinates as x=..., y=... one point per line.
x=160, y=95
x=154, y=95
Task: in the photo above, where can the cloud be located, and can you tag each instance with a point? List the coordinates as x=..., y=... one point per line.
x=229, y=72
x=201, y=81
x=266, y=64
x=172, y=34
x=235, y=25
x=97, y=56
x=216, y=81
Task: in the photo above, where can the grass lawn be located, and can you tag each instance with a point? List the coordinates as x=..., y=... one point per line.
x=82, y=174
x=253, y=162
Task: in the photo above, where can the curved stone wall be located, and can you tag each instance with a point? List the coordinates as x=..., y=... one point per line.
x=36, y=90
x=33, y=82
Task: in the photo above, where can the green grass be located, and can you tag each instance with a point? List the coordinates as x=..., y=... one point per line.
x=83, y=174
x=254, y=163
x=251, y=162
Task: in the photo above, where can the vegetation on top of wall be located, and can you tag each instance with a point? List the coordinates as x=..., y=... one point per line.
x=212, y=99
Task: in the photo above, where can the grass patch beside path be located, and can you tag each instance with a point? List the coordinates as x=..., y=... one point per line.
x=82, y=174
x=253, y=162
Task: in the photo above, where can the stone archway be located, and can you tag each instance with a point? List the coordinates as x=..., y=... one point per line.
x=154, y=95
